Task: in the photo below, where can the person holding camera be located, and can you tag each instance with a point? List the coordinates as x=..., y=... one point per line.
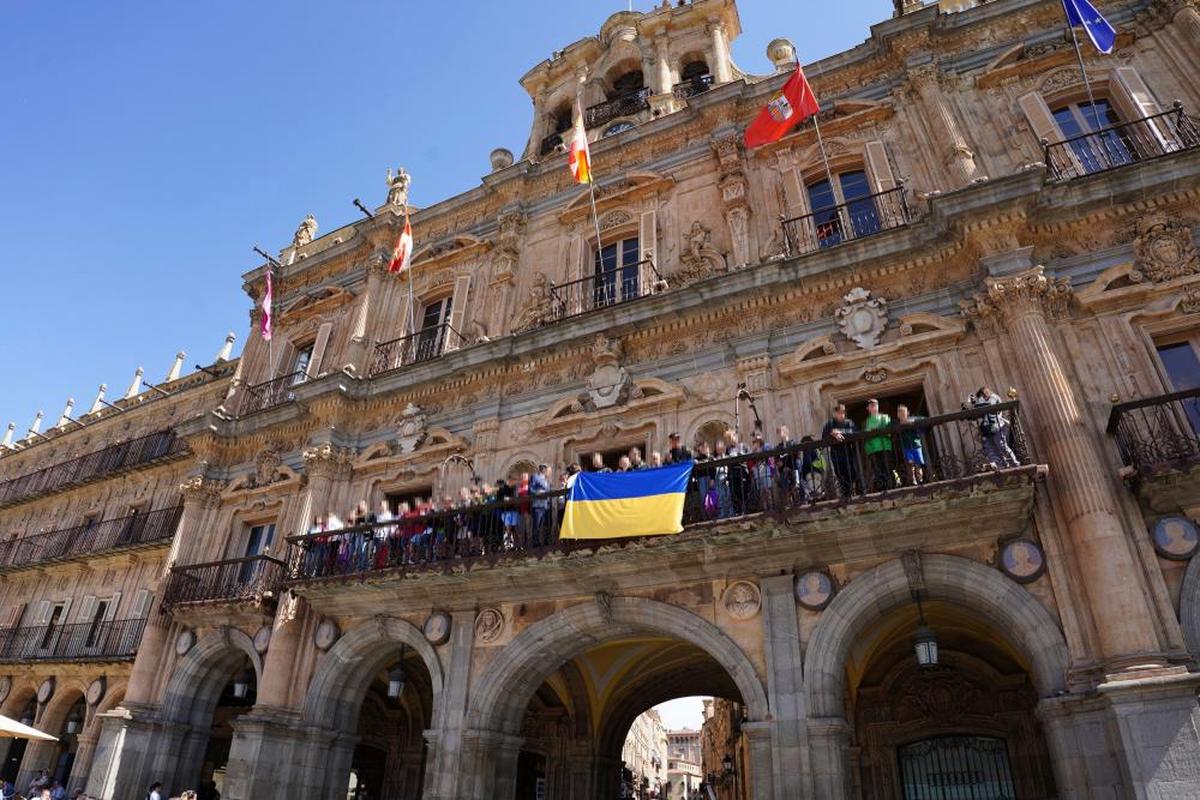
x=993, y=430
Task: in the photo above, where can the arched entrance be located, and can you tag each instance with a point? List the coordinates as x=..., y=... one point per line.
x=23, y=708
x=963, y=727
x=213, y=685
x=557, y=702
x=374, y=696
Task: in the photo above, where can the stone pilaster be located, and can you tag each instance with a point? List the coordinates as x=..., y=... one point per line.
x=323, y=464
x=489, y=766
x=958, y=157
x=283, y=653
x=721, y=67
x=788, y=755
x=85, y=750
x=1022, y=306
x=762, y=746
x=829, y=740
x=1157, y=722
x=445, y=763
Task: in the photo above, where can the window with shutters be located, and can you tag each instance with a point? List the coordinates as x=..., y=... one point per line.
x=56, y=615
x=301, y=362
x=1092, y=133
x=616, y=273
x=97, y=621
x=431, y=335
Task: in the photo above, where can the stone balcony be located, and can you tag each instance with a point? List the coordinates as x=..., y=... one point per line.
x=1159, y=441
x=753, y=525
x=218, y=592
x=108, y=640
x=121, y=534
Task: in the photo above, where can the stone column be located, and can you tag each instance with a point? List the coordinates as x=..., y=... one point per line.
x=829, y=739
x=367, y=323
x=444, y=778
x=958, y=157
x=1187, y=19
x=489, y=766
x=323, y=464
x=1081, y=485
x=721, y=69
x=85, y=749
x=788, y=756
x=662, y=63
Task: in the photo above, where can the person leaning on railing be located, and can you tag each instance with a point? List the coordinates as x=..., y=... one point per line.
x=878, y=448
x=912, y=447
x=842, y=457
x=993, y=430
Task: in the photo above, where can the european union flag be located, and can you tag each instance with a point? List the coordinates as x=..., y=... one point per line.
x=609, y=505
x=1082, y=12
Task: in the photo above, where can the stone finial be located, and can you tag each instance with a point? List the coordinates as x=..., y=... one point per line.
x=173, y=373
x=66, y=413
x=36, y=427
x=501, y=158
x=8, y=435
x=98, y=403
x=135, y=388
x=782, y=54
x=226, y=349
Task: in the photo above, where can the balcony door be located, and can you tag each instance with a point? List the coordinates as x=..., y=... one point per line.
x=431, y=336
x=1181, y=364
x=57, y=611
x=258, y=543
x=616, y=276
x=1099, y=152
x=843, y=209
x=96, y=628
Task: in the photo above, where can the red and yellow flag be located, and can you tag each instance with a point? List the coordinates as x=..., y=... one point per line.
x=788, y=108
x=579, y=158
x=402, y=254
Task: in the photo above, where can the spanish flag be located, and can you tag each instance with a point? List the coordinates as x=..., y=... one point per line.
x=611, y=505
x=580, y=158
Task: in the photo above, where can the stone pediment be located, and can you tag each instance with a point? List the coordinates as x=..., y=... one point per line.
x=914, y=334
x=256, y=482
x=435, y=444
x=1030, y=61
x=318, y=300
x=457, y=246
x=571, y=413
x=634, y=186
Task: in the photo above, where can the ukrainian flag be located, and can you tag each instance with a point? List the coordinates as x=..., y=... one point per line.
x=610, y=505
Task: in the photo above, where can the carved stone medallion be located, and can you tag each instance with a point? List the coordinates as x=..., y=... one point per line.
x=184, y=642
x=437, y=627
x=326, y=635
x=1022, y=560
x=411, y=430
x=814, y=590
x=262, y=639
x=742, y=599
x=1163, y=250
x=862, y=318
x=46, y=690
x=95, y=690
x=489, y=624
x=1175, y=537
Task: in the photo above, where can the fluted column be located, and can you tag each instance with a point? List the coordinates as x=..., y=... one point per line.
x=957, y=154
x=367, y=323
x=1082, y=487
x=1188, y=20
x=721, y=68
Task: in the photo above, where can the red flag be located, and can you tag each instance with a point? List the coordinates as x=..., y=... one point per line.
x=787, y=109
x=403, y=252
x=268, y=297
x=580, y=158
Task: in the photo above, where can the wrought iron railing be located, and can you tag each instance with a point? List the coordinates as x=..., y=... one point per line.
x=1158, y=434
x=954, y=449
x=833, y=225
x=622, y=106
x=551, y=144
x=604, y=289
x=1118, y=145
x=130, y=454
x=82, y=641
x=90, y=538
x=425, y=344
x=274, y=392
x=692, y=87
x=253, y=579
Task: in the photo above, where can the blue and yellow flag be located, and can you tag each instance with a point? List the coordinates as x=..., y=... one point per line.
x=610, y=505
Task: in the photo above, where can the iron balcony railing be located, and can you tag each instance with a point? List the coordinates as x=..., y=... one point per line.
x=130, y=454
x=1118, y=145
x=833, y=225
x=108, y=640
x=96, y=536
x=603, y=289
x=622, y=106
x=425, y=344
x=956, y=449
x=1158, y=434
x=274, y=392
x=692, y=87
x=551, y=144
x=252, y=579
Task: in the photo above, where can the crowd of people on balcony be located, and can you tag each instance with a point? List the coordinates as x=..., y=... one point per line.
x=730, y=478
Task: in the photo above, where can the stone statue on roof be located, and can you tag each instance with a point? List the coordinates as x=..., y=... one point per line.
x=306, y=232
x=398, y=187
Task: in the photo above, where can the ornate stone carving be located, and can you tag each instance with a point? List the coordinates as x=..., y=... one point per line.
x=538, y=308
x=96, y=689
x=437, y=628
x=862, y=317
x=306, y=232
x=699, y=259
x=46, y=690
x=1163, y=250
x=262, y=639
x=1059, y=80
x=326, y=460
x=614, y=218
x=200, y=490
x=398, y=184
x=184, y=642
x=266, y=463
x=913, y=571
x=610, y=384
x=875, y=374
x=411, y=430
x=1031, y=291
x=1190, y=304
x=489, y=624
x=742, y=599
x=326, y=634
x=604, y=603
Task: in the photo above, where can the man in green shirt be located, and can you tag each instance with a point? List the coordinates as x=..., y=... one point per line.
x=878, y=448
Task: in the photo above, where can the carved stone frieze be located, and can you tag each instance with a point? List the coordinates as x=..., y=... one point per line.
x=1163, y=250
x=1190, y=304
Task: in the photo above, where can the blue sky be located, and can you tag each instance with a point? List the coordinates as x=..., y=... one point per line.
x=145, y=147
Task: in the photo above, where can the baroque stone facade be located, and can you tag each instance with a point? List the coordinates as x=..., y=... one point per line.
x=1045, y=543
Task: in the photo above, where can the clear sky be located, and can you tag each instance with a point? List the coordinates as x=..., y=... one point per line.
x=146, y=146
x=682, y=713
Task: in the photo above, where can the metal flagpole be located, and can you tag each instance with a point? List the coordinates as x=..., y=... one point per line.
x=820, y=140
x=1087, y=84
x=411, y=304
x=592, y=195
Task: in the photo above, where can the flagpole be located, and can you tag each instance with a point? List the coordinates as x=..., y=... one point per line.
x=591, y=193
x=412, y=329
x=820, y=139
x=1087, y=84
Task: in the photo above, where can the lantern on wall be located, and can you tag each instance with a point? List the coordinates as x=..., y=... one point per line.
x=925, y=642
x=241, y=684
x=74, y=721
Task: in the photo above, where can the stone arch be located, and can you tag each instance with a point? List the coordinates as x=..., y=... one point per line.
x=336, y=692
x=1189, y=607
x=54, y=715
x=1010, y=608
x=708, y=428
x=197, y=680
x=514, y=675
x=23, y=690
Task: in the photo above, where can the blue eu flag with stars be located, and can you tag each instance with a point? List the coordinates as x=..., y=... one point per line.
x=1099, y=30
